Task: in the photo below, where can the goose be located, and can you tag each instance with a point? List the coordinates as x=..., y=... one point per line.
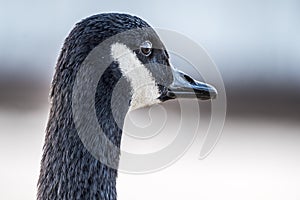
x=68, y=170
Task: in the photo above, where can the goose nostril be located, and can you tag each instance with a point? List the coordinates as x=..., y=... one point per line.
x=189, y=79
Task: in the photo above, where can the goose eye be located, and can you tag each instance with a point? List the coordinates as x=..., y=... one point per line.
x=146, y=48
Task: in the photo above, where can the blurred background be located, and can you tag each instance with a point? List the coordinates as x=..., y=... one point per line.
x=256, y=47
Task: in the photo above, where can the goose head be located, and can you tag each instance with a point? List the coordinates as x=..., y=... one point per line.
x=152, y=79
x=136, y=73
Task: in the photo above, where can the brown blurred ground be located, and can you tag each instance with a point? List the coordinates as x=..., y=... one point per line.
x=252, y=99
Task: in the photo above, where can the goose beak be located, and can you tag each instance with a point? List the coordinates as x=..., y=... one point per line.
x=184, y=86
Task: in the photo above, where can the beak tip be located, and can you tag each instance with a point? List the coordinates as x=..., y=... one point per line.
x=213, y=93
x=206, y=92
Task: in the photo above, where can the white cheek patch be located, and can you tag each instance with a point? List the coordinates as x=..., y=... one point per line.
x=144, y=89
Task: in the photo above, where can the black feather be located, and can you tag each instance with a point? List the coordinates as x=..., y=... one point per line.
x=68, y=170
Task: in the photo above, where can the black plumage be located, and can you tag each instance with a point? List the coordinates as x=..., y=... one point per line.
x=68, y=170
